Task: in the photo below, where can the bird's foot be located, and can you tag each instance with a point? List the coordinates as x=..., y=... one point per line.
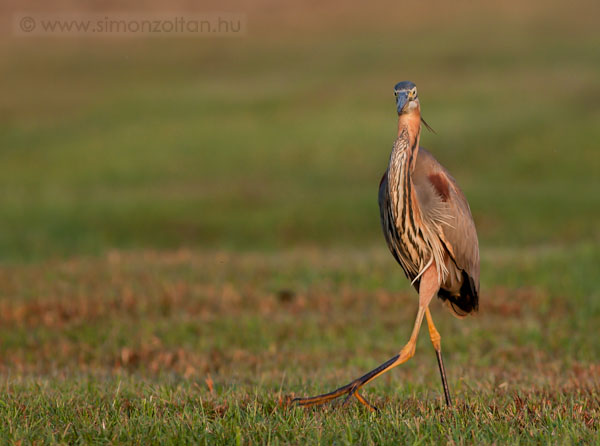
x=349, y=390
x=352, y=389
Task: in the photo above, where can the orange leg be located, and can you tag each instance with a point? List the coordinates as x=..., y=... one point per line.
x=352, y=388
x=428, y=288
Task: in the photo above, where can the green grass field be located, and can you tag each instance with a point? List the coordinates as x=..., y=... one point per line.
x=189, y=231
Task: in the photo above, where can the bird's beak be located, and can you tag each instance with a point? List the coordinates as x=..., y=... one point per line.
x=401, y=100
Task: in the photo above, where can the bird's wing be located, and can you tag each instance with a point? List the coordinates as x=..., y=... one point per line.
x=386, y=223
x=440, y=198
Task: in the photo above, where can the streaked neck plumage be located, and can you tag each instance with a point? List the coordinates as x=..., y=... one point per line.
x=403, y=204
x=417, y=245
x=406, y=147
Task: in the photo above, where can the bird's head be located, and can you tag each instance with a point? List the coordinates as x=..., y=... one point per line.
x=407, y=100
x=407, y=103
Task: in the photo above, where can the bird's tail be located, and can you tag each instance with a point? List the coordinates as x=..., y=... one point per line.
x=465, y=302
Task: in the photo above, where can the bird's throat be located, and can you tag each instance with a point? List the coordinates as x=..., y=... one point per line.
x=410, y=124
x=409, y=131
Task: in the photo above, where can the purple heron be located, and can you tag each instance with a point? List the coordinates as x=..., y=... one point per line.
x=429, y=230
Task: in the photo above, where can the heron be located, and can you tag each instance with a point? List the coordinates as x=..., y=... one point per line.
x=429, y=229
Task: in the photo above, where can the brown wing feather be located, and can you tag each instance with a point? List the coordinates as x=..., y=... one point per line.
x=437, y=189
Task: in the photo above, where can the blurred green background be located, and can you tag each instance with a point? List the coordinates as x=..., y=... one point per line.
x=279, y=138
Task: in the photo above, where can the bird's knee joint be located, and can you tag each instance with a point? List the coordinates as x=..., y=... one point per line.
x=408, y=351
x=436, y=340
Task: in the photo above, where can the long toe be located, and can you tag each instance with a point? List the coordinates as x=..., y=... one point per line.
x=363, y=401
x=326, y=397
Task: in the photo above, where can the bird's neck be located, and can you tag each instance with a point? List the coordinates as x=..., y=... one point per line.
x=406, y=146
x=403, y=202
x=402, y=164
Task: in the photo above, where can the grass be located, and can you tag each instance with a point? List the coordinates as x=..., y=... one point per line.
x=189, y=232
x=114, y=411
x=193, y=347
